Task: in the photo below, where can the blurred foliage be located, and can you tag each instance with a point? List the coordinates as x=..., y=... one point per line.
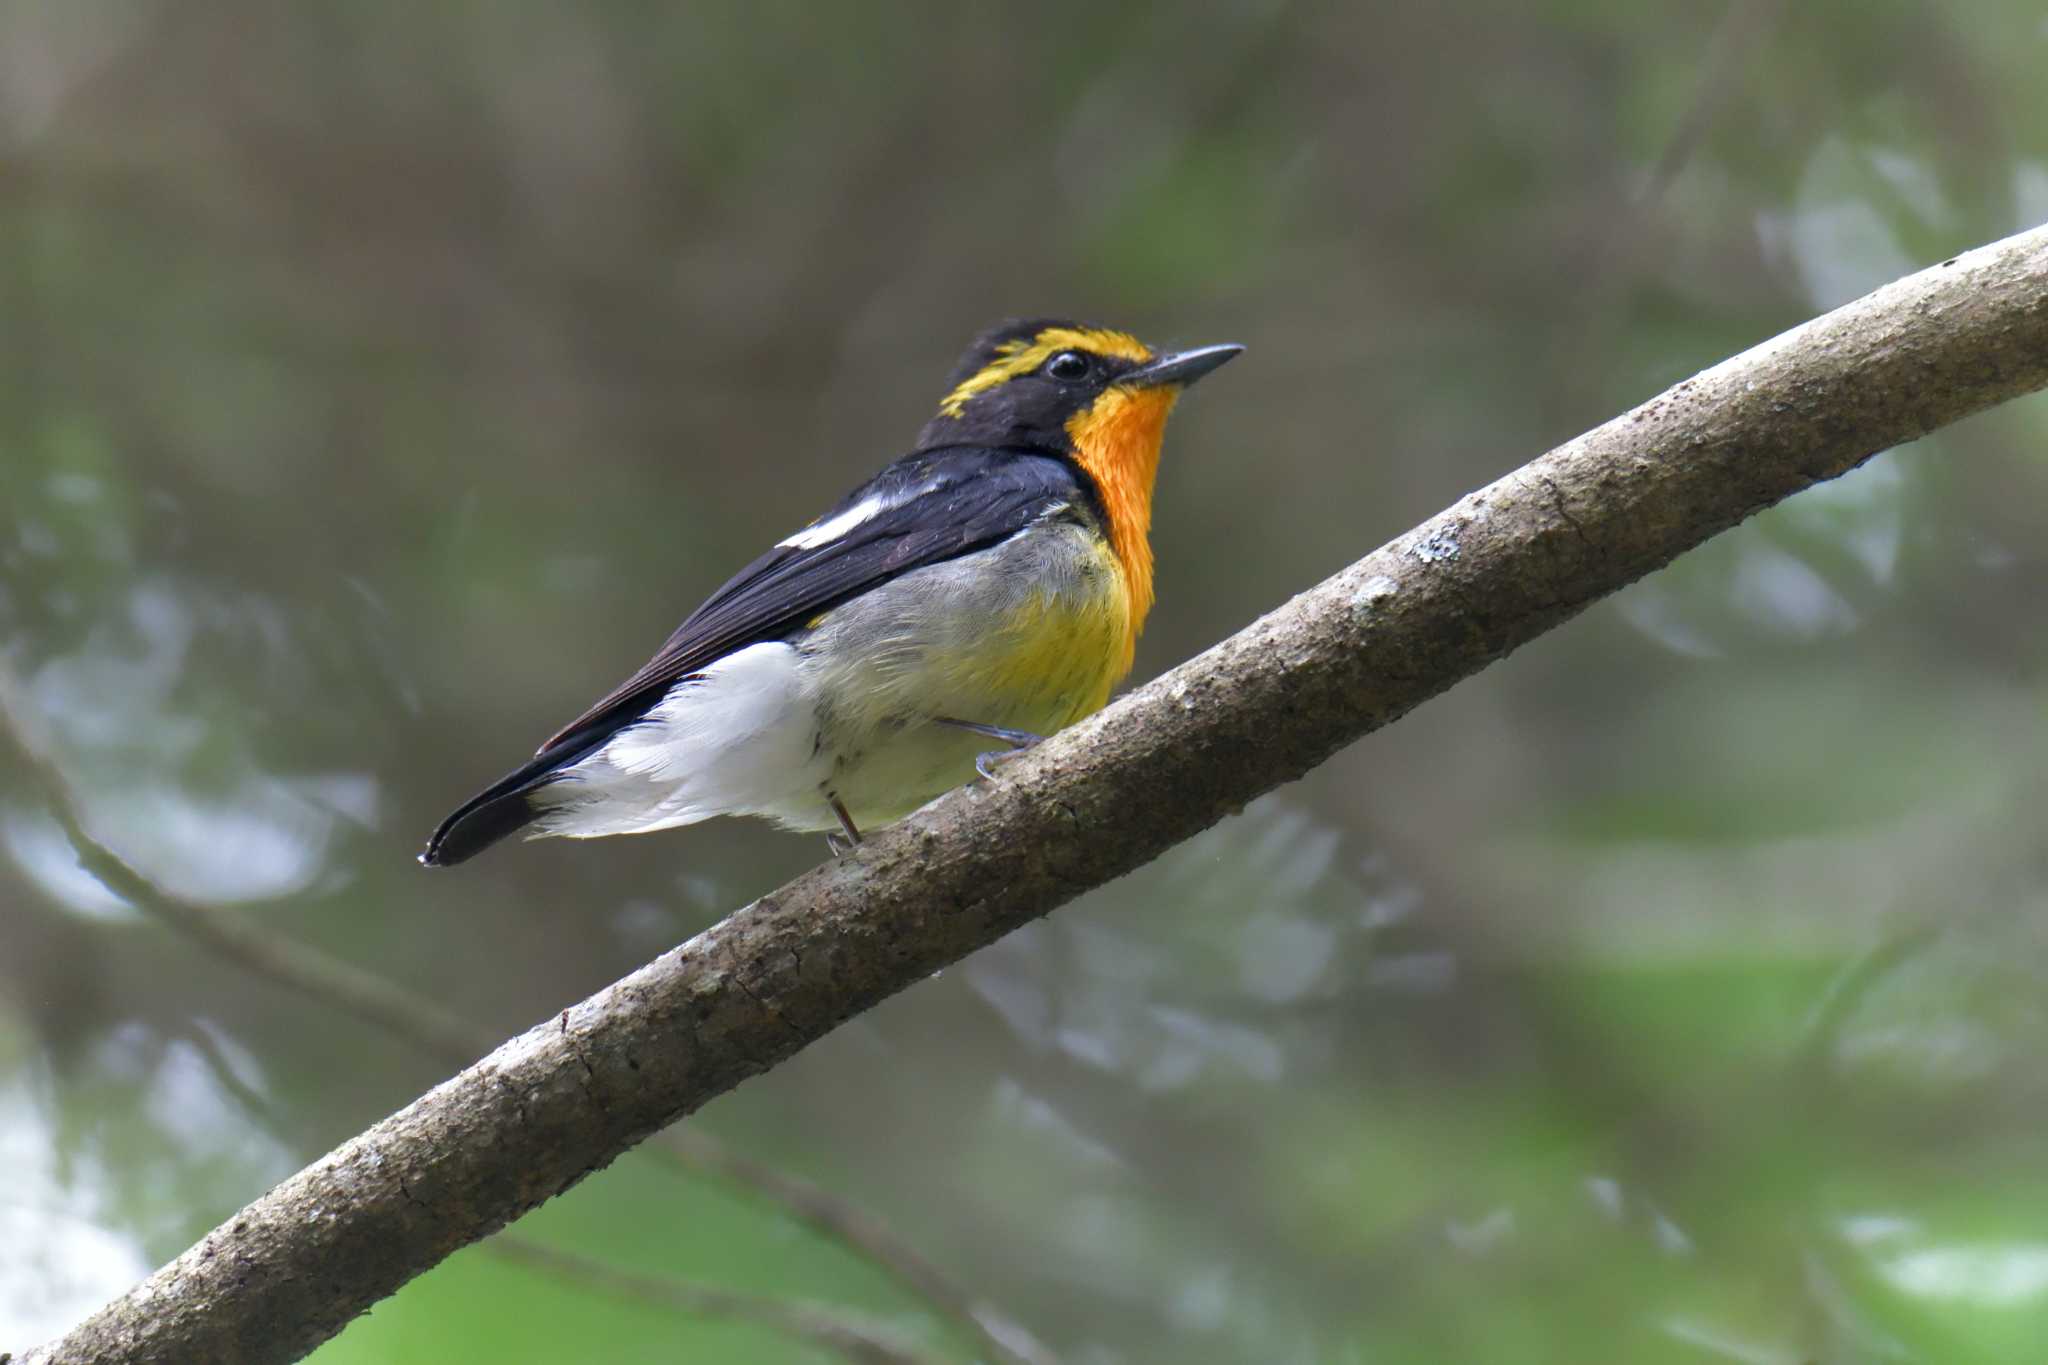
x=378, y=383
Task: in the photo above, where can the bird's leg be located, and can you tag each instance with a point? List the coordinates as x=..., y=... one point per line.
x=841, y=846
x=1018, y=740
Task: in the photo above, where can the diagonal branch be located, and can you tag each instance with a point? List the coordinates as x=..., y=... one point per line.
x=235, y=938
x=828, y=1328
x=431, y=1027
x=1356, y=652
x=999, y=1337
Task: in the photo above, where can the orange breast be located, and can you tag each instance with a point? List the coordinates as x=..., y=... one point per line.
x=1117, y=441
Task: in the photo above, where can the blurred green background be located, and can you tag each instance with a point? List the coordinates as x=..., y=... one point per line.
x=379, y=383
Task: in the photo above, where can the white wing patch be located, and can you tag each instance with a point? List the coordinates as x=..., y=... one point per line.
x=825, y=532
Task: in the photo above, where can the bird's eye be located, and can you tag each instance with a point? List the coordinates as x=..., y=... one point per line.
x=1069, y=365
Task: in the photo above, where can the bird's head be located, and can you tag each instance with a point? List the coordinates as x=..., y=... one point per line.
x=1097, y=396
x=1048, y=384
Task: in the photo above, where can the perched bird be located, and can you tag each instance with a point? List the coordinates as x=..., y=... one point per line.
x=990, y=585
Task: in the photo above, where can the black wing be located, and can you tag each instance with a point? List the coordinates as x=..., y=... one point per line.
x=932, y=506
x=928, y=507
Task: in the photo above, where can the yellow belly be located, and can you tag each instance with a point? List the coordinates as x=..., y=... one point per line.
x=1046, y=664
x=1028, y=637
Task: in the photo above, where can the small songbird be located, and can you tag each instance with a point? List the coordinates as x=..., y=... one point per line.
x=988, y=586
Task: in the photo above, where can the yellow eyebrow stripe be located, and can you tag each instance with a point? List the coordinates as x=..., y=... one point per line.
x=1016, y=357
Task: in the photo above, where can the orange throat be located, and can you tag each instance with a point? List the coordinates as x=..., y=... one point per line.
x=1117, y=441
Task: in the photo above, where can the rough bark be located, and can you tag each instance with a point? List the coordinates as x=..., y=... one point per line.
x=318, y=977
x=1500, y=567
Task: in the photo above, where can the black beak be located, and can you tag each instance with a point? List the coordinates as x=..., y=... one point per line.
x=1181, y=367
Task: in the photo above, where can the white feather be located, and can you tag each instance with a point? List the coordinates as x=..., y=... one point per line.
x=825, y=532
x=852, y=710
x=740, y=738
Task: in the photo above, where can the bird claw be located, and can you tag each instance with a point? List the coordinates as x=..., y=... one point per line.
x=843, y=842
x=985, y=763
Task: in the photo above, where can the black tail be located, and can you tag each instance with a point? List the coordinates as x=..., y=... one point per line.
x=505, y=807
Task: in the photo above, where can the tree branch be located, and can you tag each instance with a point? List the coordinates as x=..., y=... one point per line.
x=425, y=1024
x=1000, y=1337
x=298, y=967
x=829, y=1328
x=1497, y=569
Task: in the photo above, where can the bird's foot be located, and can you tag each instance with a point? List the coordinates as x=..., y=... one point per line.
x=986, y=763
x=841, y=844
